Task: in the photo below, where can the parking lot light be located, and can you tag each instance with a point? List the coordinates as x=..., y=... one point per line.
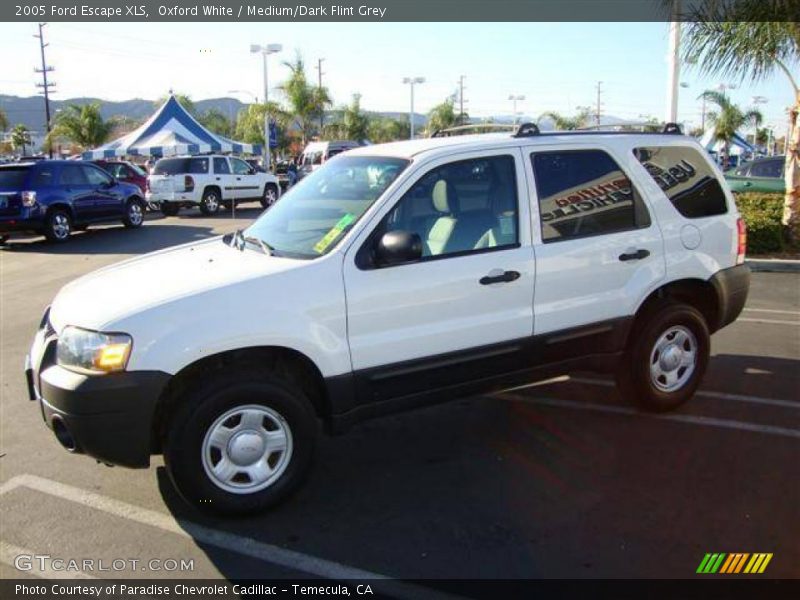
x=265, y=51
x=412, y=81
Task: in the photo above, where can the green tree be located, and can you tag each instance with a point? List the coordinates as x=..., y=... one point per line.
x=307, y=102
x=753, y=40
x=442, y=116
x=21, y=137
x=82, y=125
x=183, y=99
x=216, y=122
x=566, y=123
x=250, y=124
x=728, y=119
x=385, y=129
x=352, y=125
x=3, y=121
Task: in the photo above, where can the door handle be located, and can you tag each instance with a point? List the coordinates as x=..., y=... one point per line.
x=502, y=277
x=632, y=254
x=218, y=178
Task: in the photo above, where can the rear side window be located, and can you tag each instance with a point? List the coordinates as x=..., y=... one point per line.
x=43, y=177
x=72, y=175
x=179, y=166
x=584, y=193
x=12, y=178
x=221, y=166
x=686, y=179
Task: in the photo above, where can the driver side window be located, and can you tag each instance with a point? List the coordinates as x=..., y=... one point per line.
x=96, y=176
x=461, y=207
x=240, y=167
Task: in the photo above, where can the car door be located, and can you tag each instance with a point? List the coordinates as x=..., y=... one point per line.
x=246, y=180
x=72, y=180
x=108, y=200
x=598, y=251
x=224, y=178
x=462, y=311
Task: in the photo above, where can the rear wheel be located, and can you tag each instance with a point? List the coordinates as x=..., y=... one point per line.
x=170, y=209
x=240, y=443
x=270, y=195
x=58, y=226
x=134, y=213
x=209, y=204
x=666, y=358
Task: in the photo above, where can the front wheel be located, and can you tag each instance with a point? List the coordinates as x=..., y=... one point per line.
x=240, y=444
x=666, y=357
x=270, y=195
x=134, y=213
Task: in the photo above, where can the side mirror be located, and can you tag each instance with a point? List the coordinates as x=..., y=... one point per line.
x=398, y=247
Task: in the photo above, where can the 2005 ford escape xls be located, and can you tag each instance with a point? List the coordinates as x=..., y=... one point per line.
x=395, y=276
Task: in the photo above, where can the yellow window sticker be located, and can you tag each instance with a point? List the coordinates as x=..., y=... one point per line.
x=334, y=233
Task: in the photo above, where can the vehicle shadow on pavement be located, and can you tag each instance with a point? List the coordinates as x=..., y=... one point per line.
x=113, y=240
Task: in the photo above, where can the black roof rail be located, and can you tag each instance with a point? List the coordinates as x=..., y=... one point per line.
x=527, y=130
x=672, y=128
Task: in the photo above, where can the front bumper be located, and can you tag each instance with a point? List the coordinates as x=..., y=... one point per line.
x=732, y=286
x=109, y=417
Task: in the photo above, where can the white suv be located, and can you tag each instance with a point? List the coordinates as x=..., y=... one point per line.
x=395, y=276
x=208, y=182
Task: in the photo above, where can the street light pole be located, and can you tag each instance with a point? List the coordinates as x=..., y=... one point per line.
x=514, y=99
x=411, y=81
x=756, y=101
x=266, y=51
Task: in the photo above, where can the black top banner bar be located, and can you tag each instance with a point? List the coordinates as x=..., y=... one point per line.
x=394, y=10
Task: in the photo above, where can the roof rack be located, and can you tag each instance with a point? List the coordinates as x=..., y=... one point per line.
x=472, y=126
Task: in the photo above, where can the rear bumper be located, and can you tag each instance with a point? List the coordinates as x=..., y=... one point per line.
x=732, y=286
x=27, y=220
x=108, y=417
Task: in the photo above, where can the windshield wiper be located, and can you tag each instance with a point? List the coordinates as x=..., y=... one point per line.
x=265, y=247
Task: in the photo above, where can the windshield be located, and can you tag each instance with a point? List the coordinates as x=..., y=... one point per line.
x=316, y=213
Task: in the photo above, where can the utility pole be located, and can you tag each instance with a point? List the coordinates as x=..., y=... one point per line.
x=673, y=64
x=461, y=99
x=45, y=85
x=597, y=110
x=322, y=108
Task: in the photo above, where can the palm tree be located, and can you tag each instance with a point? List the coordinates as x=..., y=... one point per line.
x=216, y=122
x=753, y=39
x=442, y=116
x=385, y=129
x=82, y=125
x=20, y=137
x=729, y=118
x=250, y=124
x=353, y=125
x=307, y=102
x=565, y=123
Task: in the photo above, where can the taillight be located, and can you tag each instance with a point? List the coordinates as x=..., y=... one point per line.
x=28, y=198
x=188, y=184
x=741, y=240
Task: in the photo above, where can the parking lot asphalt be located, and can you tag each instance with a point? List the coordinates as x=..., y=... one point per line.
x=561, y=479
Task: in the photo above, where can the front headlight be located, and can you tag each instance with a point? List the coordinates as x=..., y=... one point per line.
x=93, y=351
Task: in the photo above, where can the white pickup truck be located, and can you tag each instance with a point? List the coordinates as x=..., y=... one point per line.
x=208, y=182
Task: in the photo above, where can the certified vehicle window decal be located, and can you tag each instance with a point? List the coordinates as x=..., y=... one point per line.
x=334, y=233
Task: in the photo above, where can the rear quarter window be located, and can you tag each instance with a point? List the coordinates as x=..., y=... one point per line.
x=180, y=166
x=12, y=178
x=686, y=179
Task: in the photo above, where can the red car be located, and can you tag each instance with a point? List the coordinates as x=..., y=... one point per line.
x=124, y=171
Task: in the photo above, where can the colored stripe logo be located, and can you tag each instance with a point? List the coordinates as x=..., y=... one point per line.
x=733, y=563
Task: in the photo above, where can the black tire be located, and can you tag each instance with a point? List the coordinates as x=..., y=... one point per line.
x=197, y=413
x=58, y=226
x=170, y=209
x=226, y=205
x=3, y=240
x=653, y=391
x=134, y=213
x=270, y=195
x=209, y=203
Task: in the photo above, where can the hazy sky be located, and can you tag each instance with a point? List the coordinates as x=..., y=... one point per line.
x=555, y=65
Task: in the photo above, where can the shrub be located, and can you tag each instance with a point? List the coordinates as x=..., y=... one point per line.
x=762, y=214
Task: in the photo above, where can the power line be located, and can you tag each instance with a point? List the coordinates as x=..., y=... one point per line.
x=45, y=85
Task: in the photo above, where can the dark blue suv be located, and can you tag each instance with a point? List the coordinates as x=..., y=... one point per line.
x=55, y=197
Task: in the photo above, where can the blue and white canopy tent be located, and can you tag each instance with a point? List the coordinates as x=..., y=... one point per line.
x=738, y=144
x=170, y=131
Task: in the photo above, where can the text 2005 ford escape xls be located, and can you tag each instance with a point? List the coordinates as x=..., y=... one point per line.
x=394, y=276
